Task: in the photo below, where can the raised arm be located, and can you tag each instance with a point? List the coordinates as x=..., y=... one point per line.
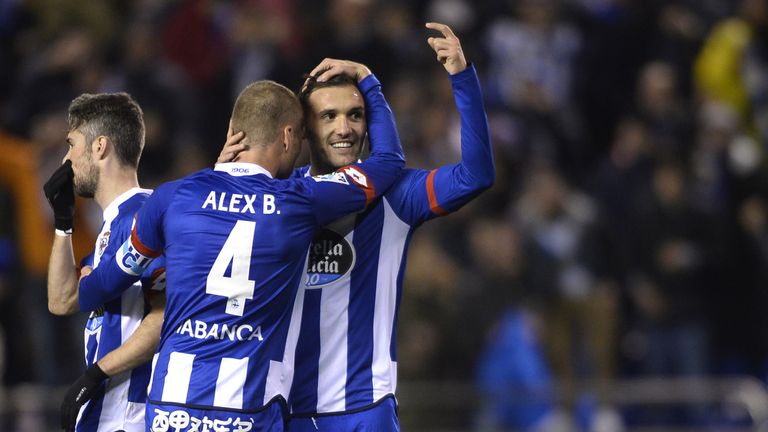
x=62, y=271
x=449, y=187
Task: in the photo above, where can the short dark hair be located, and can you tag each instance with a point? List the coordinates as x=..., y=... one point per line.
x=263, y=108
x=313, y=84
x=114, y=115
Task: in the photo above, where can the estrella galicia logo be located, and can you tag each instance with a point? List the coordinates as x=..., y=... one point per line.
x=330, y=258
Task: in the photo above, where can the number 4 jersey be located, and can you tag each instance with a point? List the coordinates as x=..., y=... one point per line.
x=235, y=242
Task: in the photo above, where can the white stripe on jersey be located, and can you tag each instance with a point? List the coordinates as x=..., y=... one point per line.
x=230, y=383
x=152, y=373
x=115, y=405
x=390, y=257
x=176, y=382
x=280, y=375
x=334, y=331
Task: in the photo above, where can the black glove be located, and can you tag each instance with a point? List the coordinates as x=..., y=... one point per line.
x=60, y=191
x=84, y=389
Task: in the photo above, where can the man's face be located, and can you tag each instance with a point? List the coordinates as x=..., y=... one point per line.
x=86, y=173
x=336, y=127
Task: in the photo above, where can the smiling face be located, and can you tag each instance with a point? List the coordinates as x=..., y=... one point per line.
x=86, y=178
x=336, y=127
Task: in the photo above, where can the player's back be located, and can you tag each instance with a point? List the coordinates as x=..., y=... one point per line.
x=235, y=247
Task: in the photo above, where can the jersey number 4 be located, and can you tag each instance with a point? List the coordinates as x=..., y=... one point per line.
x=236, y=250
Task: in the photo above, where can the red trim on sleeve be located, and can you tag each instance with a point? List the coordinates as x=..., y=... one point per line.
x=144, y=250
x=433, y=205
x=359, y=178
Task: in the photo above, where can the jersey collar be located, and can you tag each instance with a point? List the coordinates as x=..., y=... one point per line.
x=112, y=209
x=241, y=169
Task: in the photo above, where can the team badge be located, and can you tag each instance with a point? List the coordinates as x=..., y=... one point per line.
x=331, y=257
x=103, y=242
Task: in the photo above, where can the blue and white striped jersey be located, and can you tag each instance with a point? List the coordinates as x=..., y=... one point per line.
x=235, y=242
x=121, y=406
x=343, y=325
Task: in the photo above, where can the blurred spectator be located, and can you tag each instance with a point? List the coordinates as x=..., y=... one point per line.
x=532, y=66
x=731, y=66
x=579, y=304
x=660, y=105
x=669, y=291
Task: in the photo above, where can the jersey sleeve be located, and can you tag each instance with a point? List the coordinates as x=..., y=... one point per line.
x=119, y=269
x=153, y=278
x=351, y=188
x=423, y=195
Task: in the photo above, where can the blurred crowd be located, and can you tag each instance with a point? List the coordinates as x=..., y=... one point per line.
x=626, y=234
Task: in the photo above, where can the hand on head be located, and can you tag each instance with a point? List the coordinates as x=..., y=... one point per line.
x=233, y=146
x=329, y=68
x=447, y=48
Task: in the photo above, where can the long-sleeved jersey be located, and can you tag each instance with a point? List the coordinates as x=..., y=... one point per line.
x=342, y=335
x=236, y=242
x=121, y=405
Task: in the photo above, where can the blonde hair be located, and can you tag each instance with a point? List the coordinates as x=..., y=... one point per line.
x=263, y=108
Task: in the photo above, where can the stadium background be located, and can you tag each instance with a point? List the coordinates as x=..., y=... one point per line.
x=616, y=270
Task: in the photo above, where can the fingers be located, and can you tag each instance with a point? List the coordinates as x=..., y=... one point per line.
x=86, y=270
x=323, y=66
x=230, y=131
x=230, y=153
x=442, y=28
x=234, y=138
x=232, y=146
x=329, y=68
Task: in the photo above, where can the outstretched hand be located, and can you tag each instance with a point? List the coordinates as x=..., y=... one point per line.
x=447, y=48
x=232, y=146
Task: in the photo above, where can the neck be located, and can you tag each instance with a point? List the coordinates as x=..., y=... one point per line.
x=266, y=157
x=316, y=168
x=113, y=184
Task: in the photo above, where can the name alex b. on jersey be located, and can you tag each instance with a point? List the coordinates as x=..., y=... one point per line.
x=239, y=203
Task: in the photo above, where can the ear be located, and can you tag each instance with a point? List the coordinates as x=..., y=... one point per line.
x=100, y=147
x=287, y=138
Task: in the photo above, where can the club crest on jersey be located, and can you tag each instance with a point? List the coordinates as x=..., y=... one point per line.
x=94, y=324
x=331, y=257
x=335, y=177
x=130, y=260
x=103, y=242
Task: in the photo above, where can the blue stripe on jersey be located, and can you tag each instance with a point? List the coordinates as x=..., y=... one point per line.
x=137, y=389
x=362, y=305
x=160, y=371
x=309, y=349
x=200, y=383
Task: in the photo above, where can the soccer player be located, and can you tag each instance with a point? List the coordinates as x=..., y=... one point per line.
x=106, y=137
x=342, y=337
x=236, y=243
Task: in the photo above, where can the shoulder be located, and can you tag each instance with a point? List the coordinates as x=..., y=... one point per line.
x=299, y=172
x=406, y=181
